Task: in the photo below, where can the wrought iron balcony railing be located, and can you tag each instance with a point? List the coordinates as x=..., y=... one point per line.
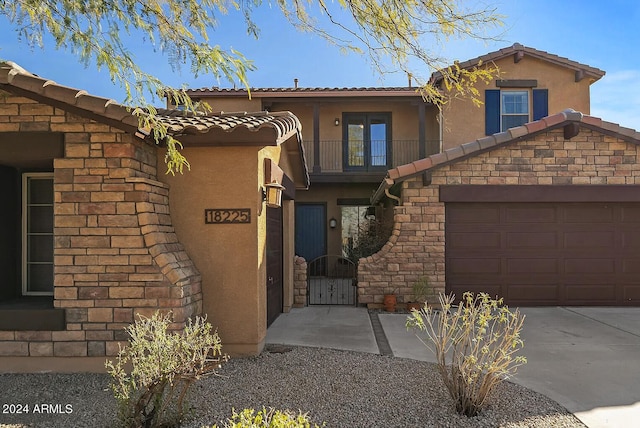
x=331, y=156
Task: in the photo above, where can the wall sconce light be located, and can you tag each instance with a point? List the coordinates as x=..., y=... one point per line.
x=272, y=194
x=336, y=121
x=333, y=223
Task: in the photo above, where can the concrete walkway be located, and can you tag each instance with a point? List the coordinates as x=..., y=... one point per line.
x=587, y=359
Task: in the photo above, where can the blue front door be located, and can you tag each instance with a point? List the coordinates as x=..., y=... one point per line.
x=311, y=232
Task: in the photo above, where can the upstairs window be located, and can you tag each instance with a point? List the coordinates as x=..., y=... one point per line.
x=506, y=109
x=366, y=141
x=514, y=106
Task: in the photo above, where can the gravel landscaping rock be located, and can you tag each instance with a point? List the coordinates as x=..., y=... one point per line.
x=343, y=389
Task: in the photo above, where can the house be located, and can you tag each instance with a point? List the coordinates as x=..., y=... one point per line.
x=546, y=213
x=94, y=232
x=353, y=136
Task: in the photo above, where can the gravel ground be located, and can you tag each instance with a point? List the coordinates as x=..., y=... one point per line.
x=343, y=389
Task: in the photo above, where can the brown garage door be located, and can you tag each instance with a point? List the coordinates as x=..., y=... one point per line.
x=545, y=253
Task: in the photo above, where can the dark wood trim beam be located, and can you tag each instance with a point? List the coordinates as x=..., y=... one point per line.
x=289, y=191
x=549, y=193
x=517, y=57
x=344, y=177
x=580, y=74
x=571, y=130
x=353, y=201
x=517, y=83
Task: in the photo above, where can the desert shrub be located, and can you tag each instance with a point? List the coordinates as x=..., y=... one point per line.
x=272, y=418
x=475, y=345
x=163, y=365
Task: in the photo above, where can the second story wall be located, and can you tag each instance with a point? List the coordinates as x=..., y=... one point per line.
x=525, y=79
x=350, y=130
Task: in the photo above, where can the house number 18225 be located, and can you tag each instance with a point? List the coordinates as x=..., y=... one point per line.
x=227, y=215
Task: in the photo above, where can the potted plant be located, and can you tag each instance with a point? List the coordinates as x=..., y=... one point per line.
x=389, y=301
x=420, y=291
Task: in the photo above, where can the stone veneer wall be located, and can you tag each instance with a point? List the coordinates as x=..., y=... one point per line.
x=299, y=282
x=417, y=245
x=116, y=252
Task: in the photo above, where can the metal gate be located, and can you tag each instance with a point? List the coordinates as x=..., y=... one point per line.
x=331, y=280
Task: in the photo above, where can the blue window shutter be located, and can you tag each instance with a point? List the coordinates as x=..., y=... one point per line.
x=492, y=111
x=540, y=103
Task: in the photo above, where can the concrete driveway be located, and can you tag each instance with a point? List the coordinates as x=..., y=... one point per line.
x=587, y=359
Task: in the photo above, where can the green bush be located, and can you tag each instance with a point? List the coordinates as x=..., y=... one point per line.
x=475, y=345
x=271, y=418
x=163, y=365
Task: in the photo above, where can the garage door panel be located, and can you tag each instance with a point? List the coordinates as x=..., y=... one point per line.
x=592, y=239
x=589, y=266
x=525, y=213
x=533, y=266
x=476, y=240
x=474, y=215
x=600, y=292
x=630, y=293
x=532, y=240
x=548, y=253
x=630, y=214
x=532, y=293
x=631, y=266
x=588, y=213
x=631, y=240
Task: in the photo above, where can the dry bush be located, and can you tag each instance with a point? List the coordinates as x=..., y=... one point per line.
x=163, y=366
x=475, y=345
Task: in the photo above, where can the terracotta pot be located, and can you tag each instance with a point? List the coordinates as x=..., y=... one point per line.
x=414, y=305
x=389, y=302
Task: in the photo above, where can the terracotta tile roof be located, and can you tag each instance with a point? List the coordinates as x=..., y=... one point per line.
x=17, y=80
x=285, y=123
x=481, y=145
x=307, y=92
x=519, y=50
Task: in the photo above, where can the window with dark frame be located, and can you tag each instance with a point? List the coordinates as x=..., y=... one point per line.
x=508, y=108
x=514, y=106
x=367, y=141
x=37, y=234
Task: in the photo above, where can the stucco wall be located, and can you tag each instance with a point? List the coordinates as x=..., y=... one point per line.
x=417, y=245
x=231, y=257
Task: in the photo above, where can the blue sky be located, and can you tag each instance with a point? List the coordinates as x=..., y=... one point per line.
x=600, y=34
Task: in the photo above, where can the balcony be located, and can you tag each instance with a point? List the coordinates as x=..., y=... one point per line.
x=330, y=165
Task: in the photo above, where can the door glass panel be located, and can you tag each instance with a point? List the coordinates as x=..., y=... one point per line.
x=40, y=219
x=366, y=141
x=378, y=130
x=40, y=249
x=40, y=277
x=40, y=191
x=355, y=145
x=37, y=273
